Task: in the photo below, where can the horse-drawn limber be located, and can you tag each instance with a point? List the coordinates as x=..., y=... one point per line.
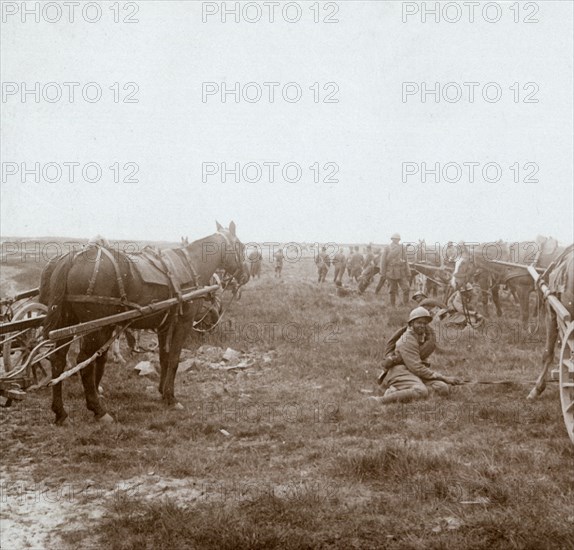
x=93, y=295
x=556, y=284
x=25, y=352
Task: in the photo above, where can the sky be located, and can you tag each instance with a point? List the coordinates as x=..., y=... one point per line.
x=348, y=153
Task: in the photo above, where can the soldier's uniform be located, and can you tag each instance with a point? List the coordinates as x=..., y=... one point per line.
x=278, y=262
x=339, y=263
x=456, y=306
x=395, y=269
x=255, y=259
x=323, y=263
x=357, y=261
x=411, y=376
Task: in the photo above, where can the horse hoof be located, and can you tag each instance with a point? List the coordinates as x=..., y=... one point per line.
x=177, y=407
x=106, y=419
x=62, y=421
x=533, y=394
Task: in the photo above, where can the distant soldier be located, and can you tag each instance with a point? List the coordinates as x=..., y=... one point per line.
x=406, y=374
x=323, y=263
x=255, y=259
x=279, y=257
x=458, y=310
x=370, y=268
x=395, y=269
x=357, y=261
x=349, y=258
x=339, y=263
x=369, y=257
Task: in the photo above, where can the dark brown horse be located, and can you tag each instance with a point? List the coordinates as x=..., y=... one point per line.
x=560, y=281
x=480, y=263
x=114, y=286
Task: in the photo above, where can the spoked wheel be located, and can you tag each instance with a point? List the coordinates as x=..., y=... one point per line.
x=567, y=379
x=15, y=352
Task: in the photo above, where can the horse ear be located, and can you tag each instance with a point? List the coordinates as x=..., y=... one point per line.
x=232, y=228
x=219, y=226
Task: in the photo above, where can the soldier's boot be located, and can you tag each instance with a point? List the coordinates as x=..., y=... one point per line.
x=405, y=297
x=401, y=396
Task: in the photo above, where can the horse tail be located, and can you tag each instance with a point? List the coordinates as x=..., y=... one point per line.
x=53, y=285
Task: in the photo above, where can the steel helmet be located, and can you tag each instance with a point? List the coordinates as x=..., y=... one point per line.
x=419, y=313
x=417, y=294
x=395, y=236
x=467, y=288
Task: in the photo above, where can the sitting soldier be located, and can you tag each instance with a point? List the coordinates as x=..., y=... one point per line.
x=406, y=373
x=458, y=311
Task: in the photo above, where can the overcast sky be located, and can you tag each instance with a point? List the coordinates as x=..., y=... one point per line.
x=360, y=143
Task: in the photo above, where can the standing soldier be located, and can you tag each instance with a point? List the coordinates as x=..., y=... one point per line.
x=255, y=259
x=339, y=263
x=279, y=263
x=323, y=263
x=369, y=257
x=349, y=264
x=395, y=269
x=357, y=261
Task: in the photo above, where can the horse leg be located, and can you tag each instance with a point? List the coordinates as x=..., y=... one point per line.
x=496, y=300
x=524, y=296
x=548, y=357
x=92, y=374
x=58, y=363
x=483, y=285
x=163, y=357
x=180, y=331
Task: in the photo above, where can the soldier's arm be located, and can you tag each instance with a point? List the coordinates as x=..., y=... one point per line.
x=430, y=345
x=408, y=347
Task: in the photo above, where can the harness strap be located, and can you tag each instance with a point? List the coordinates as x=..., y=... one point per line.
x=189, y=262
x=119, y=279
x=95, y=272
x=102, y=300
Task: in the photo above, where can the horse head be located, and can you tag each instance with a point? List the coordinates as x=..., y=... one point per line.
x=463, y=267
x=233, y=253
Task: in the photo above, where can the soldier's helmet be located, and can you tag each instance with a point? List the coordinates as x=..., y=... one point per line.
x=420, y=295
x=467, y=288
x=419, y=313
x=395, y=236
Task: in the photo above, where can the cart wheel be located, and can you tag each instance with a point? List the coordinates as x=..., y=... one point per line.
x=567, y=379
x=16, y=351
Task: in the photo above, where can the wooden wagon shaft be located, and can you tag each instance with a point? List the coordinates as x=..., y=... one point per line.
x=556, y=304
x=23, y=324
x=128, y=315
x=27, y=294
x=511, y=264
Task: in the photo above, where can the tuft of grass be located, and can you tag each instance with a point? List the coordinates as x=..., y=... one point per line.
x=393, y=460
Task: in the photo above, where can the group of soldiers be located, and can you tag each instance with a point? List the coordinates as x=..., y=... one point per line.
x=390, y=263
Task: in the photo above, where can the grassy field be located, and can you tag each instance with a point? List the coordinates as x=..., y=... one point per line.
x=291, y=452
